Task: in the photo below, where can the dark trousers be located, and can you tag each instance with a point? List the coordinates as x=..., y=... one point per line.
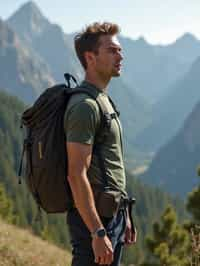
x=81, y=240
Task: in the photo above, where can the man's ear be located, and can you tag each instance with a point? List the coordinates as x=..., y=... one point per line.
x=90, y=58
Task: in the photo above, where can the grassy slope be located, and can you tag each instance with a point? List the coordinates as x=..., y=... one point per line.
x=20, y=248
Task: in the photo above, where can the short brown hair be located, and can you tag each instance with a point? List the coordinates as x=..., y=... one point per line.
x=88, y=39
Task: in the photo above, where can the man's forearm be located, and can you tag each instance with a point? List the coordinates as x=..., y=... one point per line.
x=84, y=201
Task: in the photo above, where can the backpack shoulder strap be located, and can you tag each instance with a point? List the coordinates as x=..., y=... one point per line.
x=106, y=117
x=114, y=106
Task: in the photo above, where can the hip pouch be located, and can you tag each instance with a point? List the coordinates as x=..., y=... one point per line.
x=107, y=202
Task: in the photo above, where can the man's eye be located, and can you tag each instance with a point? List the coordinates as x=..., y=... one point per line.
x=112, y=50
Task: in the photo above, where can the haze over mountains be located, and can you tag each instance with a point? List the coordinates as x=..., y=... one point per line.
x=157, y=91
x=174, y=167
x=170, y=113
x=153, y=69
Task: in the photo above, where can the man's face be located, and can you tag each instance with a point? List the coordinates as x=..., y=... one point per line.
x=108, y=59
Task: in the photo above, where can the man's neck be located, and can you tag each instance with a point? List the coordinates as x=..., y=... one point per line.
x=97, y=82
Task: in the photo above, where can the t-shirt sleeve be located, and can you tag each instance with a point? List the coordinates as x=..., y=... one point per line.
x=81, y=122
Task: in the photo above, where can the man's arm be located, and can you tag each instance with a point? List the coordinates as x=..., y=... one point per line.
x=78, y=163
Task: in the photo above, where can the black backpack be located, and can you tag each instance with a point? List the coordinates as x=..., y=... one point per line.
x=45, y=146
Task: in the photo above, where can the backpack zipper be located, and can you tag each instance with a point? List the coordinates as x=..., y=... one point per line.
x=40, y=149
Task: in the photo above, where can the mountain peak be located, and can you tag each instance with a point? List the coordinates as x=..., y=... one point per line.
x=187, y=38
x=142, y=40
x=29, y=20
x=30, y=5
x=28, y=9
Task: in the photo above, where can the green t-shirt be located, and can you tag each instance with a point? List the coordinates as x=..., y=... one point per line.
x=81, y=122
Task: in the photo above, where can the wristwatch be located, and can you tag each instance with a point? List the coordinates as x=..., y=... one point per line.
x=100, y=232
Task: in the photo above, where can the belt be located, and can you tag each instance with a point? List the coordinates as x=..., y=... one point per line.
x=126, y=202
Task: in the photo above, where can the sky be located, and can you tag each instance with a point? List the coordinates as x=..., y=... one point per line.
x=158, y=21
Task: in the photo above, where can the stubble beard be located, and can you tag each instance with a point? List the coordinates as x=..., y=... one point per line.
x=116, y=74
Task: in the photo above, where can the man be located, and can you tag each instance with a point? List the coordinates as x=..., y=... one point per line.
x=96, y=240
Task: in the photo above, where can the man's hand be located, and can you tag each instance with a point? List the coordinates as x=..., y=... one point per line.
x=130, y=235
x=103, y=251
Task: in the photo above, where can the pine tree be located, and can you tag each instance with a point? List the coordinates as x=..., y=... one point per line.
x=169, y=244
x=193, y=206
x=193, y=203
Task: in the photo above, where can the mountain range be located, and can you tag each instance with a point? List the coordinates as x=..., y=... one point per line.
x=153, y=69
x=148, y=69
x=22, y=72
x=46, y=38
x=156, y=92
x=47, y=43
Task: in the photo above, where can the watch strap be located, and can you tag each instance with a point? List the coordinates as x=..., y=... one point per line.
x=99, y=232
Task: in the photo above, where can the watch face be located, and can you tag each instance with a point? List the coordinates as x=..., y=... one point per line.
x=101, y=233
